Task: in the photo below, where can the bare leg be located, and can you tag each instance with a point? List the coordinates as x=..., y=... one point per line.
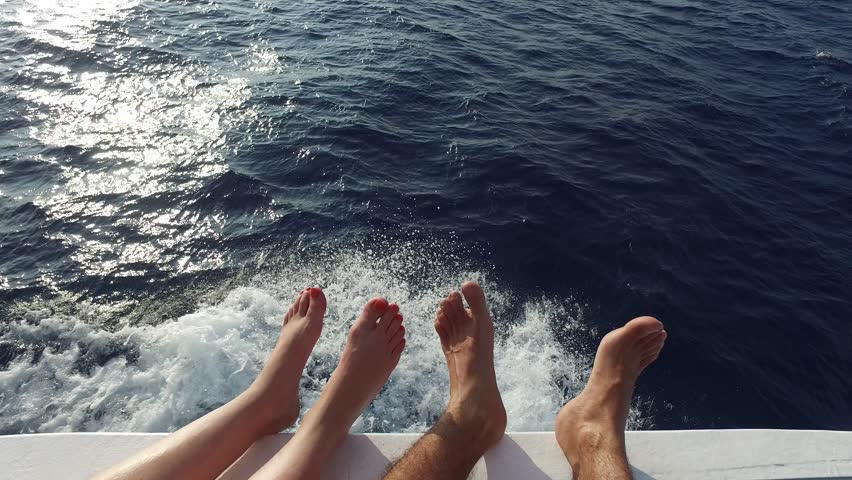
x=590, y=428
x=475, y=418
x=206, y=447
x=376, y=341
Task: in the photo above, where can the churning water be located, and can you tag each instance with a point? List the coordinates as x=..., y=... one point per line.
x=173, y=172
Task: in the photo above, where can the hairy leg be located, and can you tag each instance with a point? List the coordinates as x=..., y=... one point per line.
x=376, y=341
x=206, y=447
x=590, y=428
x=475, y=418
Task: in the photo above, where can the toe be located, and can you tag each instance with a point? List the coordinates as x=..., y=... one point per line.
x=652, y=350
x=455, y=303
x=660, y=341
x=475, y=298
x=648, y=341
x=641, y=326
x=387, y=317
x=447, y=313
x=441, y=327
x=373, y=310
x=292, y=310
x=304, y=302
x=456, y=315
x=397, y=350
x=318, y=302
x=396, y=338
x=394, y=324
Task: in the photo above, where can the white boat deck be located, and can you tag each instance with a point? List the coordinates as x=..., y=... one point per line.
x=689, y=454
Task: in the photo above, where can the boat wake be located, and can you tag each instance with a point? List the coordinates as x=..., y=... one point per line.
x=64, y=370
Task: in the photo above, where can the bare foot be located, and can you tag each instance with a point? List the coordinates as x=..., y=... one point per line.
x=278, y=382
x=376, y=341
x=467, y=339
x=593, y=423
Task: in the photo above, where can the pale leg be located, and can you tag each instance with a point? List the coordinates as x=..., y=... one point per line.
x=206, y=447
x=376, y=341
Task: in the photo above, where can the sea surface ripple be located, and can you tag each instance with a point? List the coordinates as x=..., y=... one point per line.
x=172, y=172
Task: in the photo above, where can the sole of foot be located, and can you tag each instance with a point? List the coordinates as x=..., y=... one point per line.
x=277, y=386
x=467, y=339
x=376, y=342
x=595, y=420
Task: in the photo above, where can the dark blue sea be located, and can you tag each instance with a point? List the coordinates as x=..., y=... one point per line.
x=173, y=172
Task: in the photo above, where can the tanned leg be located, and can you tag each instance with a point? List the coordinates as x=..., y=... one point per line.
x=590, y=428
x=206, y=447
x=376, y=341
x=475, y=418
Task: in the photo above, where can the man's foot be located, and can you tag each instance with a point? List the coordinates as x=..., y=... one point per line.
x=277, y=386
x=376, y=341
x=594, y=422
x=467, y=339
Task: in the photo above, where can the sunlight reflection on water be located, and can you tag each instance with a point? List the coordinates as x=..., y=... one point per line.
x=142, y=128
x=65, y=23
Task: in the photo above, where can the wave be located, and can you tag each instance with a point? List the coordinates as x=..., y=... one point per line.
x=68, y=369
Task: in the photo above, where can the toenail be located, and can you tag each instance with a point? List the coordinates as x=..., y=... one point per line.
x=380, y=303
x=315, y=292
x=398, y=317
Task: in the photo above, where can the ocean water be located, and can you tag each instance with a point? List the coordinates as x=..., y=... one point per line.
x=173, y=172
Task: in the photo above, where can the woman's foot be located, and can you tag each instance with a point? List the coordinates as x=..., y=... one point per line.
x=591, y=426
x=277, y=386
x=467, y=339
x=376, y=341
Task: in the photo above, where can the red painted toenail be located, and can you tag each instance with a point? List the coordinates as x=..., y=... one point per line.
x=398, y=317
x=315, y=292
x=380, y=303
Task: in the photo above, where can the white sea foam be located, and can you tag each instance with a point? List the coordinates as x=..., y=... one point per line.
x=162, y=376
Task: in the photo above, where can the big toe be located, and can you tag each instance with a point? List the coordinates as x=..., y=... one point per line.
x=632, y=337
x=475, y=298
x=642, y=326
x=373, y=310
x=318, y=302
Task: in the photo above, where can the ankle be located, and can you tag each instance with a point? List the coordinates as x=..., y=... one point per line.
x=273, y=412
x=486, y=428
x=594, y=437
x=582, y=438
